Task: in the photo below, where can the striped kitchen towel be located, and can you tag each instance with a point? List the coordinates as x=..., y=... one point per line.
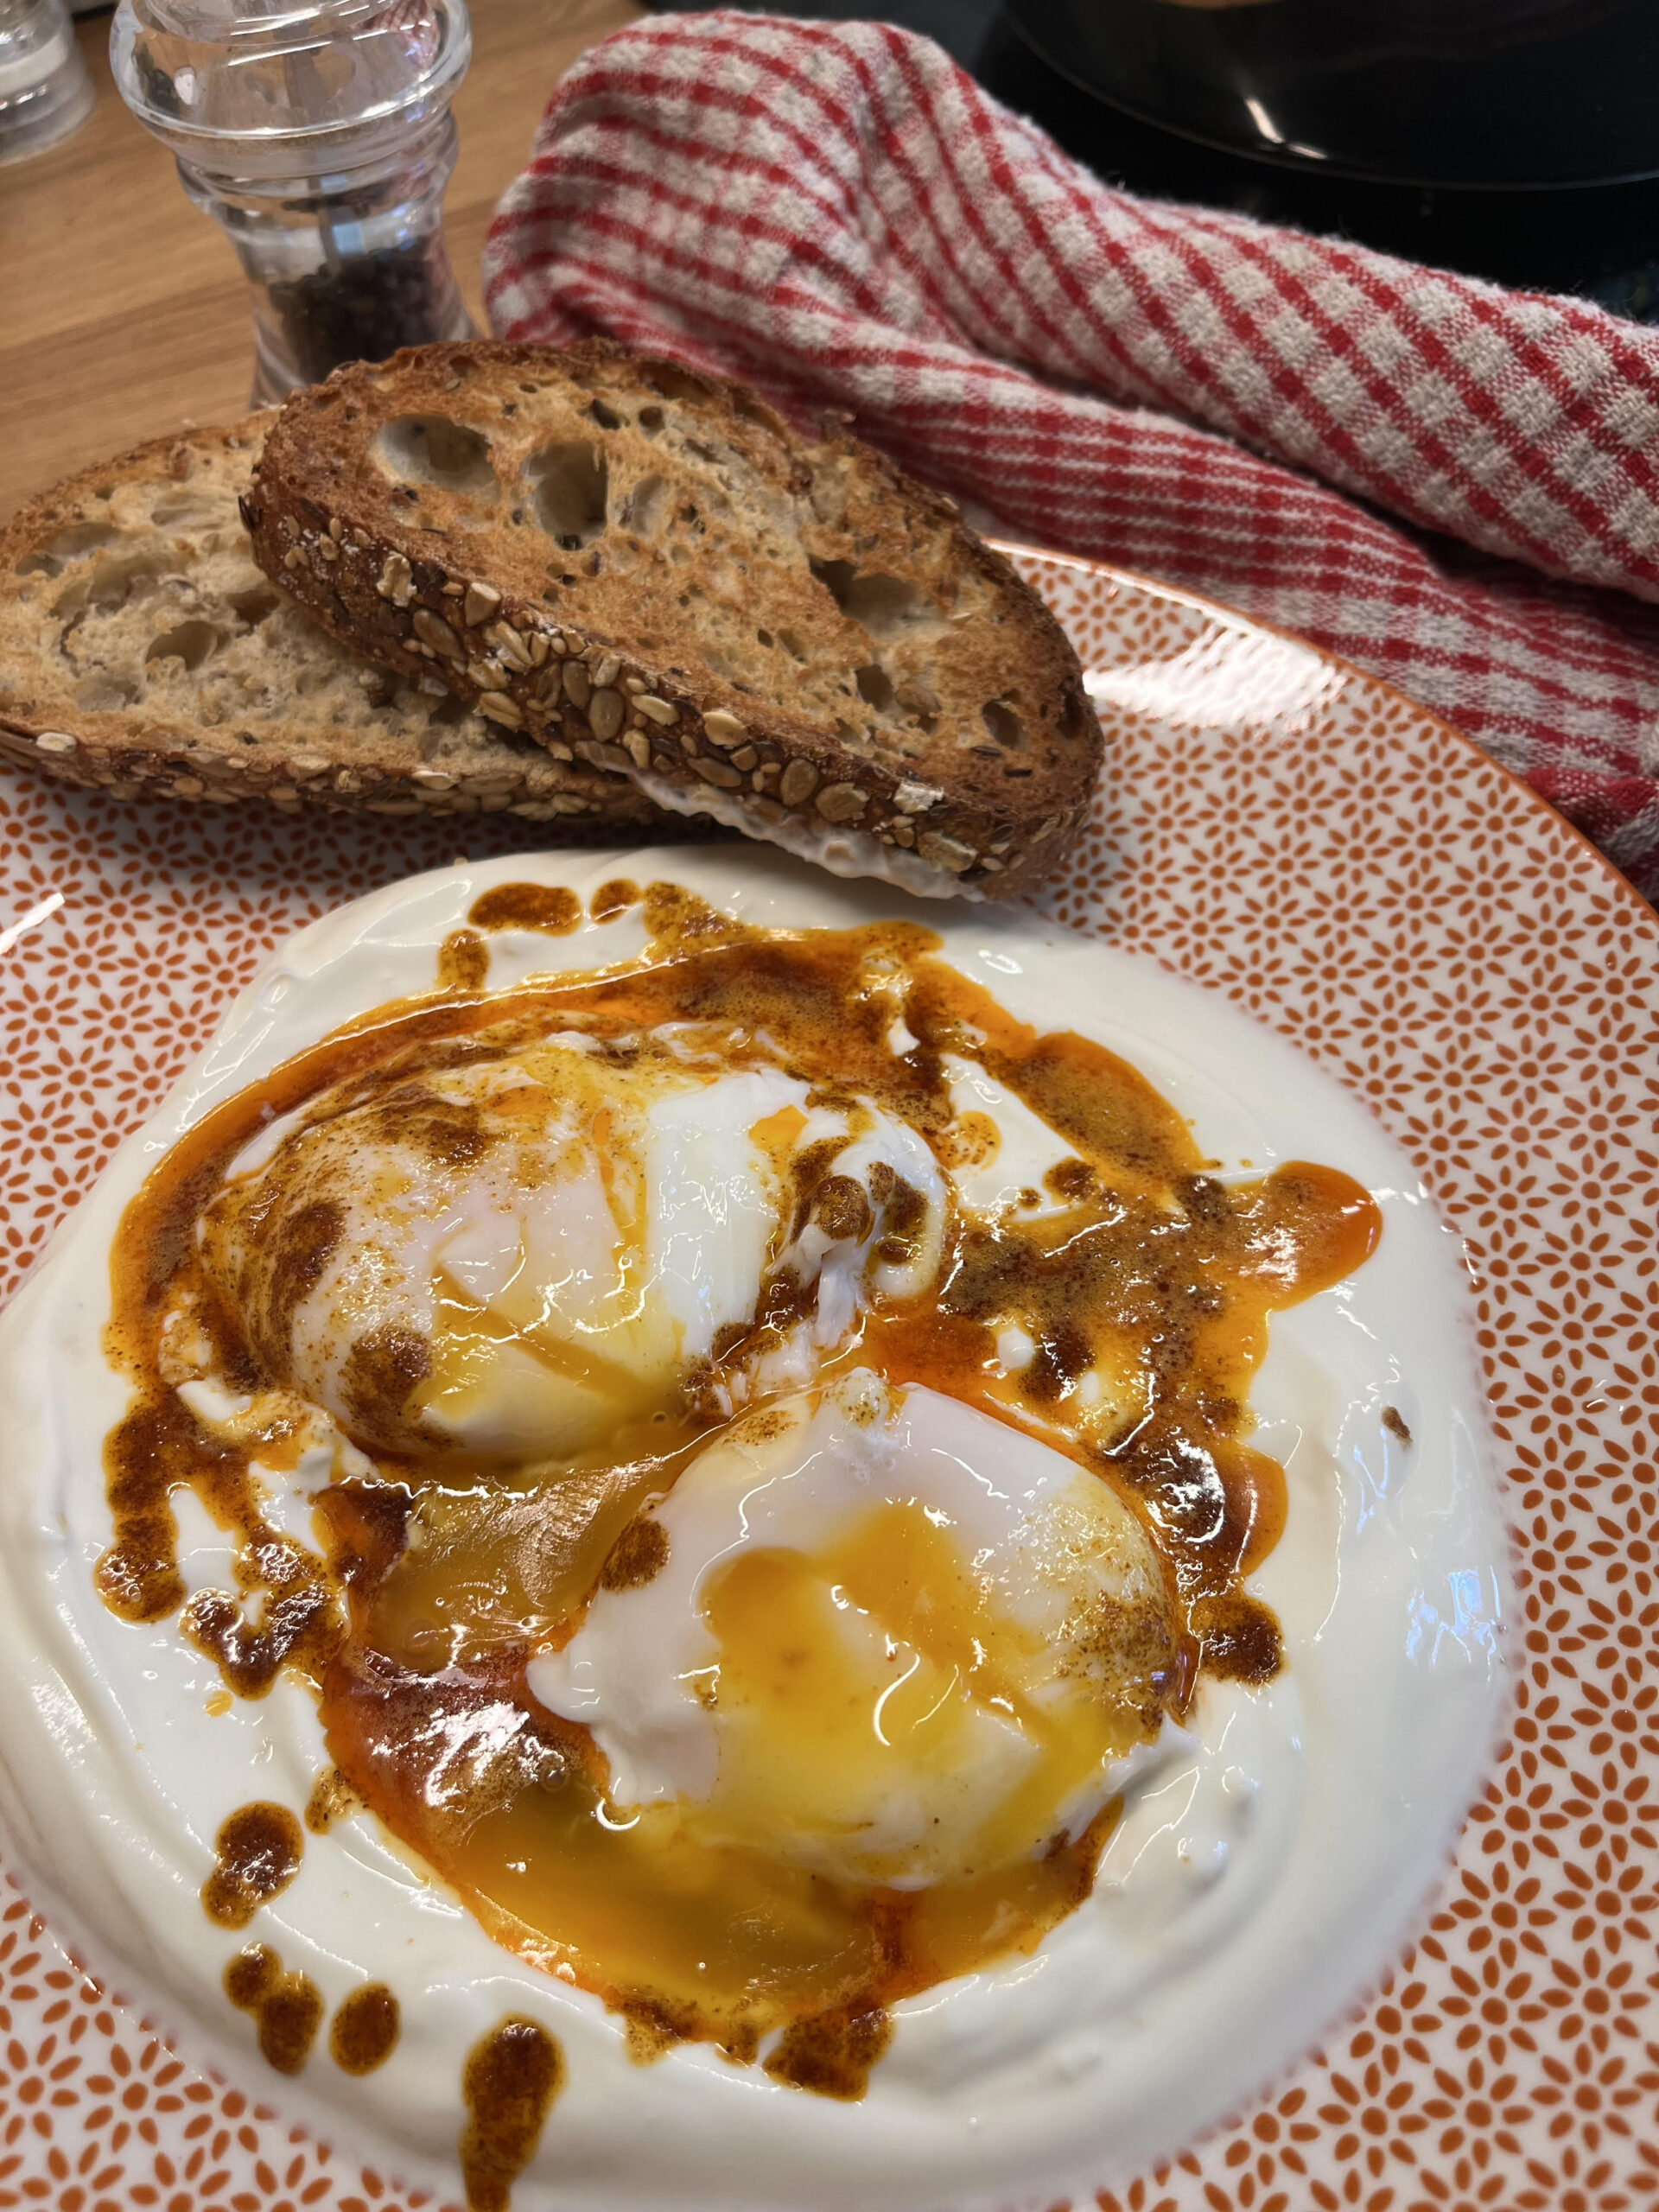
x=1454, y=485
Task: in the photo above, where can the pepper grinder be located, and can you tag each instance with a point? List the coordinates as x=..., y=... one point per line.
x=317, y=133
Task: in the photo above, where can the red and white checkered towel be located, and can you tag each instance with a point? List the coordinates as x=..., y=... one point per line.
x=835, y=213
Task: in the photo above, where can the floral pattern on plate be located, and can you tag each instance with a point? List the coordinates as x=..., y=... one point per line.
x=1286, y=831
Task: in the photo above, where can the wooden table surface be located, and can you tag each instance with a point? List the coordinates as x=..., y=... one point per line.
x=126, y=313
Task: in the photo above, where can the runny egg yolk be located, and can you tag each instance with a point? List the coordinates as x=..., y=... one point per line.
x=846, y=1721
x=862, y=1691
x=890, y=1639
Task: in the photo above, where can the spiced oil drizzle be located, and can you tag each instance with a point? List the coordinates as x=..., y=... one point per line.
x=1137, y=1262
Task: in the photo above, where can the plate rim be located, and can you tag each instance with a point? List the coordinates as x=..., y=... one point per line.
x=1238, y=618
x=1578, y=883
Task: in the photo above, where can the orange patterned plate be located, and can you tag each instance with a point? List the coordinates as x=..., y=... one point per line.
x=1286, y=831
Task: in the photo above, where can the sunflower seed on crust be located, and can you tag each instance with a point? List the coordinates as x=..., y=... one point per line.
x=658, y=709
x=944, y=852
x=437, y=633
x=482, y=602
x=915, y=798
x=604, y=712
x=723, y=729
x=800, y=781
x=510, y=644
x=611, y=758
x=717, y=772
x=578, y=684
x=502, y=709
x=396, y=581
x=840, y=801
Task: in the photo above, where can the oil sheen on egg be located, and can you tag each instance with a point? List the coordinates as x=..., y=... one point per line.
x=513, y=1256
x=891, y=1640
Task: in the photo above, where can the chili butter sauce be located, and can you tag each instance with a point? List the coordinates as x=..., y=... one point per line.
x=436, y=1576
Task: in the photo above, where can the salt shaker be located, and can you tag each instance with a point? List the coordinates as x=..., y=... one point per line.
x=45, y=93
x=318, y=134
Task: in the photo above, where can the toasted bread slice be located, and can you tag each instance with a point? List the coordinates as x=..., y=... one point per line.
x=142, y=649
x=618, y=556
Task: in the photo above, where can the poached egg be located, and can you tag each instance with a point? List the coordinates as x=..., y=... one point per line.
x=514, y=1256
x=883, y=1635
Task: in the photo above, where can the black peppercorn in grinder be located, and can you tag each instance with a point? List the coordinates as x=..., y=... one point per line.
x=320, y=137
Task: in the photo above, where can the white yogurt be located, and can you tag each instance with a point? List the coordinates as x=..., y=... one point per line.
x=1260, y=1875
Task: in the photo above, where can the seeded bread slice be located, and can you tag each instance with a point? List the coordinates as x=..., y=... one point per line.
x=621, y=557
x=142, y=649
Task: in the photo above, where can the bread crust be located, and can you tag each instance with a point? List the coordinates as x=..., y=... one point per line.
x=91, y=555
x=651, y=571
